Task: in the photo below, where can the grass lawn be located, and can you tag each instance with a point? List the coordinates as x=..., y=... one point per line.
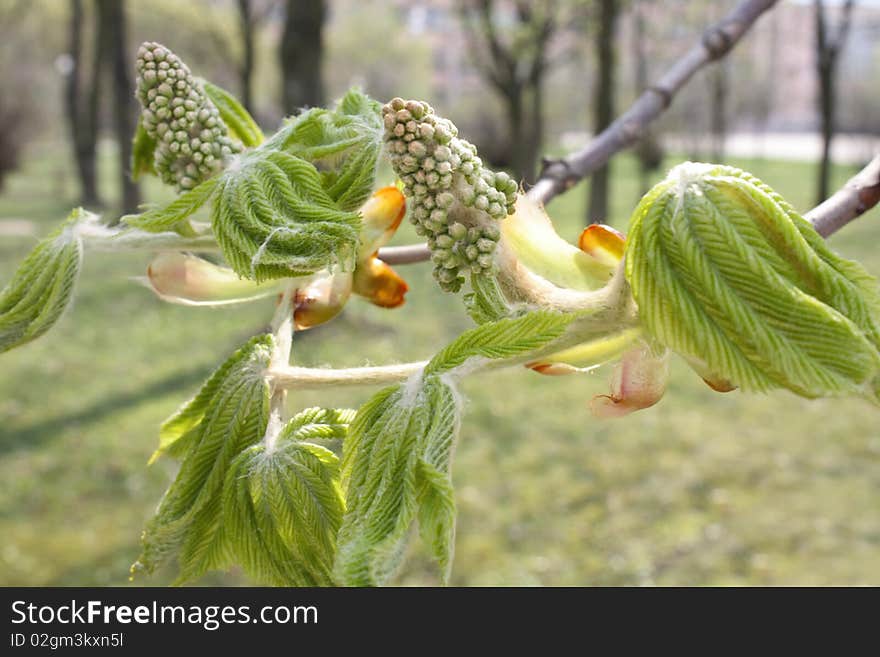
x=703, y=488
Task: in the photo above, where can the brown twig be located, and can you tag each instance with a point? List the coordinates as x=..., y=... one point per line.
x=857, y=196
x=717, y=41
x=559, y=175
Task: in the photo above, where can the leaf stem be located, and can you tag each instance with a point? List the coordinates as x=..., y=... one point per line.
x=115, y=238
x=310, y=378
x=282, y=329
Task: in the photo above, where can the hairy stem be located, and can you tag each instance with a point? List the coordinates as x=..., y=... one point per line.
x=309, y=378
x=282, y=329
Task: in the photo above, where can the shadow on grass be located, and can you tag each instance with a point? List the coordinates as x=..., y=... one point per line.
x=43, y=432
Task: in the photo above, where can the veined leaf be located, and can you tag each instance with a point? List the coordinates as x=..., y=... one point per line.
x=397, y=457
x=228, y=415
x=271, y=224
x=288, y=207
x=318, y=424
x=344, y=144
x=282, y=509
x=174, y=215
x=504, y=338
x=240, y=123
x=42, y=287
x=142, y=149
x=487, y=302
x=729, y=275
x=395, y=468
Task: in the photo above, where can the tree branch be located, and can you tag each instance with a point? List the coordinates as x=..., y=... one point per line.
x=857, y=196
x=717, y=41
x=560, y=175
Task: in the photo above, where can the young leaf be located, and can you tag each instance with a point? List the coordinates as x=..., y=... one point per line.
x=240, y=123
x=228, y=415
x=395, y=460
x=318, y=424
x=142, y=148
x=174, y=215
x=276, y=221
x=505, y=338
x=729, y=275
x=344, y=144
x=42, y=287
x=281, y=511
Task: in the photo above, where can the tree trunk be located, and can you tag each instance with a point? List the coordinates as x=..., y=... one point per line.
x=246, y=26
x=112, y=41
x=603, y=108
x=640, y=62
x=827, y=51
x=82, y=119
x=519, y=133
x=536, y=123
x=826, y=113
x=718, y=110
x=302, y=55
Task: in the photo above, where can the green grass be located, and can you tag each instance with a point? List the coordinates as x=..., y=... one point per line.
x=703, y=488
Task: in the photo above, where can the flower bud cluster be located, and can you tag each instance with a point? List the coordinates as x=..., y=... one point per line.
x=192, y=141
x=456, y=201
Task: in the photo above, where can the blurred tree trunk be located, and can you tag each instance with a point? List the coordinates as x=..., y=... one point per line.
x=828, y=49
x=81, y=97
x=515, y=69
x=302, y=50
x=112, y=43
x=720, y=87
x=246, y=26
x=603, y=107
x=648, y=150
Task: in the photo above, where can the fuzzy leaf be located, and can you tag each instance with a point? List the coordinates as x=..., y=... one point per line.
x=142, y=148
x=240, y=123
x=228, y=415
x=281, y=512
x=273, y=219
x=729, y=275
x=344, y=144
x=42, y=287
x=174, y=215
x=394, y=461
x=505, y=338
x=288, y=207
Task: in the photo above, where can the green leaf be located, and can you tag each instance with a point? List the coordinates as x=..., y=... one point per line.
x=505, y=338
x=42, y=287
x=728, y=274
x=276, y=221
x=487, y=302
x=226, y=417
x=288, y=207
x=142, y=148
x=344, y=144
x=397, y=457
x=240, y=123
x=282, y=509
x=173, y=217
x=178, y=432
x=395, y=460
x=318, y=424
x=436, y=496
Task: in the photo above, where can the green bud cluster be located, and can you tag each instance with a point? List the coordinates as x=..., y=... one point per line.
x=456, y=202
x=192, y=142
